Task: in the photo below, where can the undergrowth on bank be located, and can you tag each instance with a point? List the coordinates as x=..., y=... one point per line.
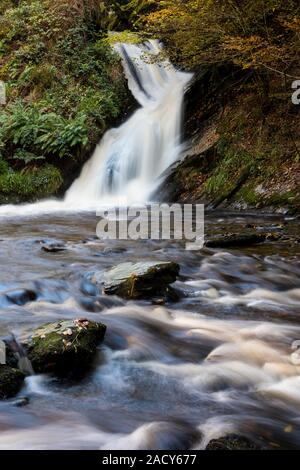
x=64, y=85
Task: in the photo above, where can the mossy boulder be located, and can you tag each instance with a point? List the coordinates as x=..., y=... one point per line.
x=232, y=442
x=140, y=280
x=11, y=381
x=65, y=348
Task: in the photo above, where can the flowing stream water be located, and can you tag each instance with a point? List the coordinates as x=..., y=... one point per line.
x=166, y=377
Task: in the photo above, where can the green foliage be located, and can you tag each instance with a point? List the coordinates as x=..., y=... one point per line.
x=65, y=85
x=261, y=34
x=126, y=36
x=3, y=166
x=29, y=128
x=27, y=157
x=5, y=5
x=30, y=185
x=120, y=15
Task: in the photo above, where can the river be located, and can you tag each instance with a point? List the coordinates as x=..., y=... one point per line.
x=167, y=376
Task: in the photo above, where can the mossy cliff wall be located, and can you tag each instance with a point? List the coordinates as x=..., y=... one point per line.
x=244, y=144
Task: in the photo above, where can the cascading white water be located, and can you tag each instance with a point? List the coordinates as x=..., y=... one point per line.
x=128, y=161
x=126, y=165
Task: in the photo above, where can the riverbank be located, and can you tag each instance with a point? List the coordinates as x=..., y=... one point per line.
x=64, y=87
x=242, y=150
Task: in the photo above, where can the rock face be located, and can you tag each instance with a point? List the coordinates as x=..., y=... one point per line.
x=140, y=280
x=232, y=442
x=216, y=169
x=11, y=381
x=65, y=348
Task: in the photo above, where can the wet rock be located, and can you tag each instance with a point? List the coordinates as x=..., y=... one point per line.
x=11, y=381
x=65, y=348
x=114, y=250
x=232, y=442
x=53, y=246
x=140, y=280
x=234, y=240
x=169, y=294
x=19, y=402
x=16, y=355
x=160, y=301
x=90, y=305
x=21, y=296
x=109, y=302
x=88, y=288
x=11, y=358
x=99, y=303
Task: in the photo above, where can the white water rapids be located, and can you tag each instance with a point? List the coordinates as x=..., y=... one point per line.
x=173, y=377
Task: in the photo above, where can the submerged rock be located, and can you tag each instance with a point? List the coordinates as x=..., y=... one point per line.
x=11, y=381
x=66, y=348
x=232, y=442
x=21, y=296
x=233, y=240
x=88, y=288
x=19, y=402
x=53, y=246
x=140, y=280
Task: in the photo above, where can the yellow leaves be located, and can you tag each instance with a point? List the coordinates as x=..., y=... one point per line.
x=166, y=14
x=128, y=37
x=253, y=51
x=249, y=33
x=292, y=24
x=243, y=44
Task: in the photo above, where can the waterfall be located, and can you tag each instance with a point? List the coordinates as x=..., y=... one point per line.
x=128, y=161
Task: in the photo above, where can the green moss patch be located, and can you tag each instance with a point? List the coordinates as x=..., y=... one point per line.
x=65, y=348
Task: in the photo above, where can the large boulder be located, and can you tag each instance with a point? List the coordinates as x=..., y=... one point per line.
x=65, y=348
x=11, y=381
x=140, y=280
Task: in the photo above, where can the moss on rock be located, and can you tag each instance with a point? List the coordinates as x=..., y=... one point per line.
x=140, y=280
x=65, y=348
x=232, y=442
x=11, y=381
